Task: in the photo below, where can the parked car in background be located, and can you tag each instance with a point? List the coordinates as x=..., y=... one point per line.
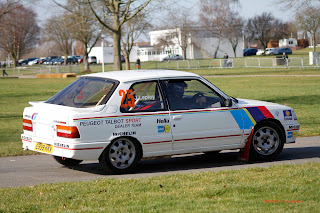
x=269, y=51
x=23, y=62
x=33, y=62
x=92, y=60
x=41, y=61
x=172, y=57
x=280, y=51
x=72, y=60
x=260, y=52
x=58, y=61
x=249, y=51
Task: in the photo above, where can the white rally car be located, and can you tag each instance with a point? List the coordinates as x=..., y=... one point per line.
x=123, y=116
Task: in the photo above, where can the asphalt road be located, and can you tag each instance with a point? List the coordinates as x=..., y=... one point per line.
x=37, y=169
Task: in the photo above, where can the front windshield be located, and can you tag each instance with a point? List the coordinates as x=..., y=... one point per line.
x=84, y=92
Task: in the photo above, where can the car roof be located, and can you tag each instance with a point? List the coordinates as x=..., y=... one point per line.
x=134, y=75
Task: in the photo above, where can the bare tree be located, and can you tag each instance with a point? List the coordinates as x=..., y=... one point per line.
x=20, y=32
x=214, y=14
x=183, y=29
x=84, y=29
x=112, y=14
x=8, y=5
x=131, y=31
x=234, y=30
x=309, y=20
x=296, y=4
x=264, y=28
x=57, y=29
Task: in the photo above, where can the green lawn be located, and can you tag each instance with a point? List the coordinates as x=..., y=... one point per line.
x=300, y=93
x=284, y=188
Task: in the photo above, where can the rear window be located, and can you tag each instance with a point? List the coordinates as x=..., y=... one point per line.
x=85, y=92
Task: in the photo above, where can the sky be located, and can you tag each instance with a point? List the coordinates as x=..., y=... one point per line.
x=247, y=9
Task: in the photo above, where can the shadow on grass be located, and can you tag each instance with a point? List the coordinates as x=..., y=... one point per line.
x=201, y=161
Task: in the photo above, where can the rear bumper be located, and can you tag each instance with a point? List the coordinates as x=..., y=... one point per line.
x=69, y=149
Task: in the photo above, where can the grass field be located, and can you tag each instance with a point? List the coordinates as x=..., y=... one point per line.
x=285, y=188
x=301, y=93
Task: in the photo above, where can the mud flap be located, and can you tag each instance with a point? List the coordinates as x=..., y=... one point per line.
x=245, y=153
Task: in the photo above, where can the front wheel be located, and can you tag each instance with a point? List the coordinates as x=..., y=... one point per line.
x=120, y=156
x=67, y=161
x=267, y=141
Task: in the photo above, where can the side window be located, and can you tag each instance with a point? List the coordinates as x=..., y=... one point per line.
x=142, y=97
x=191, y=94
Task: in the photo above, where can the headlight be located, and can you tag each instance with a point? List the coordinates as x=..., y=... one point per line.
x=294, y=115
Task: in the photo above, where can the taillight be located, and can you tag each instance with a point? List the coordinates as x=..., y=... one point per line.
x=27, y=124
x=68, y=131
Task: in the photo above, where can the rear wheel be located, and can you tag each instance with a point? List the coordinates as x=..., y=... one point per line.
x=120, y=156
x=267, y=141
x=67, y=161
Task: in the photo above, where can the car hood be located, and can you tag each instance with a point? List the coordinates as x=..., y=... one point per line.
x=243, y=103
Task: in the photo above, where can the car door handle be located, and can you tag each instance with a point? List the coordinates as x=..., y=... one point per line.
x=177, y=117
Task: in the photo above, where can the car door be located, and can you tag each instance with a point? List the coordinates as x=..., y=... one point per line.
x=144, y=104
x=200, y=119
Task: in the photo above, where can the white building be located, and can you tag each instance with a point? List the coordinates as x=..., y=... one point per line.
x=290, y=42
x=201, y=44
x=106, y=52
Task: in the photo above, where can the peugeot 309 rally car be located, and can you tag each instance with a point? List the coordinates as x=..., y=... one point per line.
x=120, y=117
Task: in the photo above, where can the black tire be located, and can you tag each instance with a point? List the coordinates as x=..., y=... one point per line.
x=267, y=141
x=67, y=161
x=120, y=156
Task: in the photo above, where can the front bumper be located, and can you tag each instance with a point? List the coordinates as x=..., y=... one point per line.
x=292, y=131
x=68, y=149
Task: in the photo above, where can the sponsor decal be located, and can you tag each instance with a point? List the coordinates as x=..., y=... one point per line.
x=294, y=127
x=122, y=126
x=292, y=134
x=34, y=116
x=118, y=122
x=133, y=120
x=91, y=123
x=26, y=138
x=60, y=122
x=287, y=114
x=124, y=133
x=27, y=116
x=146, y=97
x=61, y=145
x=162, y=129
x=163, y=121
x=277, y=113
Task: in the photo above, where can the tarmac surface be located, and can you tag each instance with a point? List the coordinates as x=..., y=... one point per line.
x=36, y=169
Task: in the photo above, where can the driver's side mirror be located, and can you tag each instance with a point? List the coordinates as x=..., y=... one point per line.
x=228, y=102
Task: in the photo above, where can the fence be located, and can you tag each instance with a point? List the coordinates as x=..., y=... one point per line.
x=300, y=62
x=42, y=69
x=255, y=62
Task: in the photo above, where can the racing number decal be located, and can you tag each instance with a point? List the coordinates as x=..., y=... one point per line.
x=80, y=96
x=129, y=96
